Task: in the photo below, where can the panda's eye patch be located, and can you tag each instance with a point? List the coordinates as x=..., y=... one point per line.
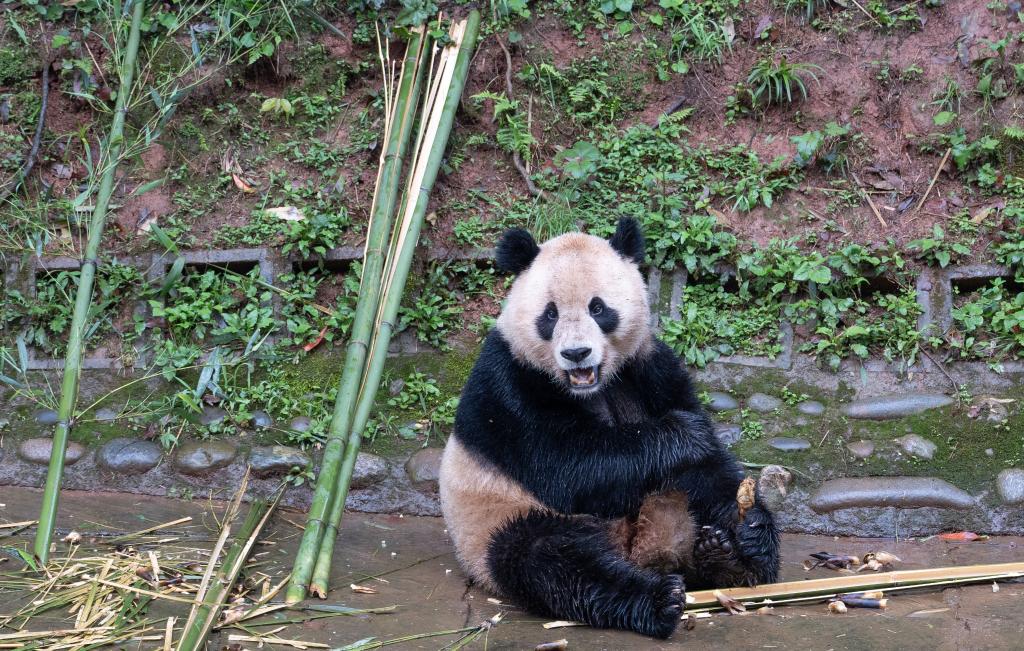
x=546, y=322
x=606, y=318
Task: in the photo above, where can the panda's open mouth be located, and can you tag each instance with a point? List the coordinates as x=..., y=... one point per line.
x=584, y=378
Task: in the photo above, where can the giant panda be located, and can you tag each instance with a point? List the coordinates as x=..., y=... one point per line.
x=583, y=480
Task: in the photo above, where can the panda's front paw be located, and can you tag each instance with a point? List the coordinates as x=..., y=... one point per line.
x=758, y=544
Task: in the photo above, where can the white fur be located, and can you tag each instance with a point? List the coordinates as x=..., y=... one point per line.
x=570, y=271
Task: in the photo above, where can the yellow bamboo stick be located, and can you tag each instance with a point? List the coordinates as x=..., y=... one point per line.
x=857, y=582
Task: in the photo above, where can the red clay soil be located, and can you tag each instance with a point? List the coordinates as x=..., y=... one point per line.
x=891, y=120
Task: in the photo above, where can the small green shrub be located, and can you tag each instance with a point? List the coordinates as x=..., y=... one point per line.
x=772, y=82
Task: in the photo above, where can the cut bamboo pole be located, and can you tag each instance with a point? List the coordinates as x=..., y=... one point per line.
x=210, y=602
x=83, y=298
x=397, y=139
x=857, y=582
x=436, y=127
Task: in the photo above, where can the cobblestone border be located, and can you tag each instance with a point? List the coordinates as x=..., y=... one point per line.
x=211, y=468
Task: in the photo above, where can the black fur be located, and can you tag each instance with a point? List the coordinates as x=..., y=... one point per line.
x=629, y=240
x=515, y=251
x=599, y=456
x=607, y=318
x=566, y=567
x=545, y=324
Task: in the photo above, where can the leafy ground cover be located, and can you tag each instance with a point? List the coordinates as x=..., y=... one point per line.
x=802, y=161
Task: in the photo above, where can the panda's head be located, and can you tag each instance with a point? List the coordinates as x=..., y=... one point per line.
x=578, y=307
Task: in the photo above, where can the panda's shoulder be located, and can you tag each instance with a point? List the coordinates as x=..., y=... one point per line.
x=498, y=375
x=663, y=378
x=661, y=362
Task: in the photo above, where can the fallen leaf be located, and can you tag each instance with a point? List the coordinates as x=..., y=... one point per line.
x=763, y=26
x=362, y=589
x=557, y=645
x=961, y=536
x=731, y=605
x=316, y=342
x=147, y=220
x=287, y=213
x=729, y=30
x=906, y=204
x=981, y=215
x=241, y=184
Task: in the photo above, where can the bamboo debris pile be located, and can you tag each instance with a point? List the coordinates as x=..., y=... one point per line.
x=104, y=590
x=107, y=596
x=386, y=263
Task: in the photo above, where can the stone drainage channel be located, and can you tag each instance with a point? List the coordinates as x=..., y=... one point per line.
x=866, y=506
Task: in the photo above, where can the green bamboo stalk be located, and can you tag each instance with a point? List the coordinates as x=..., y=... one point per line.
x=392, y=302
x=83, y=299
x=366, y=310
x=205, y=613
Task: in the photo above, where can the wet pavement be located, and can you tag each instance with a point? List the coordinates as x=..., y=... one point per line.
x=409, y=562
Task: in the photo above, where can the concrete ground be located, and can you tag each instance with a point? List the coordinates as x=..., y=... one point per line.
x=409, y=561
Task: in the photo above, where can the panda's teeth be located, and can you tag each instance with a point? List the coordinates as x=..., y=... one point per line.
x=582, y=376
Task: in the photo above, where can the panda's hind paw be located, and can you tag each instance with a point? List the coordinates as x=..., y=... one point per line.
x=717, y=561
x=669, y=599
x=714, y=547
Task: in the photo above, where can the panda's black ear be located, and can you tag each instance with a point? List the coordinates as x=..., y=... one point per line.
x=629, y=240
x=515, y=251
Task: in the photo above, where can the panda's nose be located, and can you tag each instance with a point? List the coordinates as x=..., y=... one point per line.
x=575, y=354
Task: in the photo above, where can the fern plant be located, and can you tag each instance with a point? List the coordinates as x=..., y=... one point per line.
x=774, y=82
x=513, y=134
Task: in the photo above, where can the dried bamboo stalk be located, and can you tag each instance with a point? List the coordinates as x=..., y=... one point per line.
x=705, y=599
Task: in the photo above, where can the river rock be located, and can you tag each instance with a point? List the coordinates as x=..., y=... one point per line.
x=721, y=401
x=38, y=450
x=728, y=433
x=811, y=408
x=396, y=386
x=900, y=492
x=917, y=446
x=772, y=486
x=300, y=424
x=895, y=406
x=200, y=457
x=105, y=415
x=369, y=470
x=762, y=403
x=788, y=444
x=424, y=468
x=46, y=417
x=211, y=415
x=127, y=456
x=261, y=420
x=271, y=460
x=861, y=449
x=1010, y=483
